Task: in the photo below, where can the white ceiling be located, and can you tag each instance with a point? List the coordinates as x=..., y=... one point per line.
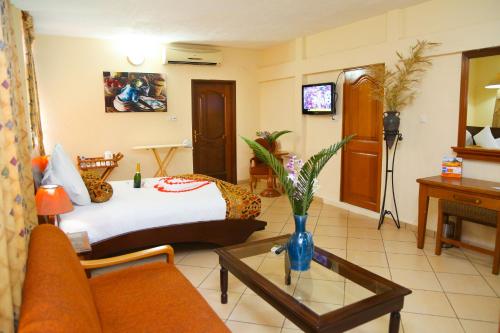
x=236, y=23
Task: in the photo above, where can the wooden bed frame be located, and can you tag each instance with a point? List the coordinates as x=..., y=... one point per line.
x=221, y=233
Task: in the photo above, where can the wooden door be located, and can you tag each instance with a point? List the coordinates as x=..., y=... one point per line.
x=214, y=128
x=362, y=156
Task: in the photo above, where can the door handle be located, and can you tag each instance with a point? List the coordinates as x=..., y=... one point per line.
x=196, y=134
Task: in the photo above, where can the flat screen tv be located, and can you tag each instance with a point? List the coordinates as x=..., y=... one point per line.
x=318, y=98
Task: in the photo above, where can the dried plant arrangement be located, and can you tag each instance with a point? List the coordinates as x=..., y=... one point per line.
x=397, y=87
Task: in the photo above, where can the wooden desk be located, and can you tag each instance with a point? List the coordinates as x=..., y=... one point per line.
x=169, y=154
x=475, y=192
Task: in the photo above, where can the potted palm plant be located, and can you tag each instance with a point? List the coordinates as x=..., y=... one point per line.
x=300, y=181
x=271, y=138
x=397, y=87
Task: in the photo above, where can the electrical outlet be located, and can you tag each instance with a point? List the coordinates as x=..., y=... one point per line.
x=172, y=118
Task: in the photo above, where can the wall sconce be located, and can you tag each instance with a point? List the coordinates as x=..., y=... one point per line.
x=136, y=57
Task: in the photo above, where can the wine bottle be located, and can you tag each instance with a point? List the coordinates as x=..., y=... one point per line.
x=137, y=177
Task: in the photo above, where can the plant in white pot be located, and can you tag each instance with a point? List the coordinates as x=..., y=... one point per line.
x=397, y=87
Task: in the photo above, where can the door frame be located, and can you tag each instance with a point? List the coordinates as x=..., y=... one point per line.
x=379, y=179
x=230, y=127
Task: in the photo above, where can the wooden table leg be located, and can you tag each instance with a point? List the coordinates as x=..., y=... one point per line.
x=223, y=284
x=288, y=271
x=423, y=206
x=394, y=323
x=496, y=255
x=166, y=161
x=270, y=191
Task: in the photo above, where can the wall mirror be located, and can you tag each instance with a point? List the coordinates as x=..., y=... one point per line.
x=479, y=119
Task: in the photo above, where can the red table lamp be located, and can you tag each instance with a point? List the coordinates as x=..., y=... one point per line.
x=52, y=200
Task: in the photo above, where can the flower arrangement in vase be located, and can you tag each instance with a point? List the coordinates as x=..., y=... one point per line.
x=300, y=181
x=397, y=87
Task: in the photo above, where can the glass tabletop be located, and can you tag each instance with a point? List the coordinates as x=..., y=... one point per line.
x=331, y=282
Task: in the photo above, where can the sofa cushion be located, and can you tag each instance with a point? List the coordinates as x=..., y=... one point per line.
x=56, y=293
x=154, y=297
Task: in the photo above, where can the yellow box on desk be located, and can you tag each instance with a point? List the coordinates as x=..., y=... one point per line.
x=451, y=167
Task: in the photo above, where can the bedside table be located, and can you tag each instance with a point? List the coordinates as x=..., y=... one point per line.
x=81, y=244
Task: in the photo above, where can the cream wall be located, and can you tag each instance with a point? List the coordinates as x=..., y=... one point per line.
x=429, y=126
x=72, y=102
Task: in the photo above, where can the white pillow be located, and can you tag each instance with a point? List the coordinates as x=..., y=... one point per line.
x=468, y=139
x=485, y=139
x=61, y=171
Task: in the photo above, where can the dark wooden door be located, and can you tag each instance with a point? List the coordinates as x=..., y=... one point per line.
x=214, y=128
x=362, y=157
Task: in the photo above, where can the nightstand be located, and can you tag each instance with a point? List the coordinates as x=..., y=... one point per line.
x=81, y=244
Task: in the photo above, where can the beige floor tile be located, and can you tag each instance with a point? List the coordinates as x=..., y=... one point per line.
x=320, y=291
x=472, y=326
x=364, y=233
x=333, y=221
x=195, y=275
x=213, y=299
x=330, y=242
x=478, y=258
x=442, y=264
x=465, y=284
x=327, y=230
x=494, y=282
x=279, y=281
x=476, y=307
x=272, y=266
x=373, y=245
x=402, y=247
x=213, y=282
x=367, y=258
x=275, y=227
x=381, y=271
x=408, y=261
x=240, y=327
x=253, y=309
x=201, y=258
x=275, y=218
x=428, y=302
x=355, y=293
x=319, y=272
x=415, y=279
x=379, y=325
x=342, y=253
x=398, y=235
x=289, y=228
x=362, y=223
x=419, y=323
x=261, y=235
x=452, y=252
x=328, y=212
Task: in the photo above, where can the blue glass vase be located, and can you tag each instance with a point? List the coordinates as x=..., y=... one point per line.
x=300, y=246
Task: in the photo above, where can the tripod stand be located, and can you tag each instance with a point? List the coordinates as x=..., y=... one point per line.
x=390, y=172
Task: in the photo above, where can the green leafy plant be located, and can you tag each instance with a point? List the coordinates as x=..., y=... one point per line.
x=300, y=181
x=397, y=87
x=271, y=137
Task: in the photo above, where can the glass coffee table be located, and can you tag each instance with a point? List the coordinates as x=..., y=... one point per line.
x=333, y=296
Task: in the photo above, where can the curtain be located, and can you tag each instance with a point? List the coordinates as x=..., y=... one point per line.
x=17, y=206
x=36, y=125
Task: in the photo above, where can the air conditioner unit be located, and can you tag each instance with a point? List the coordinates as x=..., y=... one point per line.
x=191, y=55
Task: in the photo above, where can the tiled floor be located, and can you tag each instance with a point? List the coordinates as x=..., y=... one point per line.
x=454, y=292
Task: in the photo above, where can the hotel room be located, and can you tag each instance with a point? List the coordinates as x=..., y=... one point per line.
x=226, y=166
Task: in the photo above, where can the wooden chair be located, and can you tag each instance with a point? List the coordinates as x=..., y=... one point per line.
x=258, y=169
x=479, y=215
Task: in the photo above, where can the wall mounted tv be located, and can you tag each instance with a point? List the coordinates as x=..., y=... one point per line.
x=318, y=98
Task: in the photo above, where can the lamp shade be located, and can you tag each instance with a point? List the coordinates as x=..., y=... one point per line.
x=52, y=200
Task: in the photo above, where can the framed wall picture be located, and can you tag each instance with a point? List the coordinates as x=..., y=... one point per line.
x=134, y=92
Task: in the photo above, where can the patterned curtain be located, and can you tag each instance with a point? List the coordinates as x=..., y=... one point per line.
x=36, y=125
x=17, y=206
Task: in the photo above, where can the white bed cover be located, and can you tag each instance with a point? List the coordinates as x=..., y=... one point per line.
x=131, y=209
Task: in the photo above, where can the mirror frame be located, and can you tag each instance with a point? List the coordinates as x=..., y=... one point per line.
x=491, y=155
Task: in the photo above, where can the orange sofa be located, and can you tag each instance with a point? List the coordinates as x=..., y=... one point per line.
x=155, y=297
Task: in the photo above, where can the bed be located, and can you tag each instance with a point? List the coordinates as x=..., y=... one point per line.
x=218, y=212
